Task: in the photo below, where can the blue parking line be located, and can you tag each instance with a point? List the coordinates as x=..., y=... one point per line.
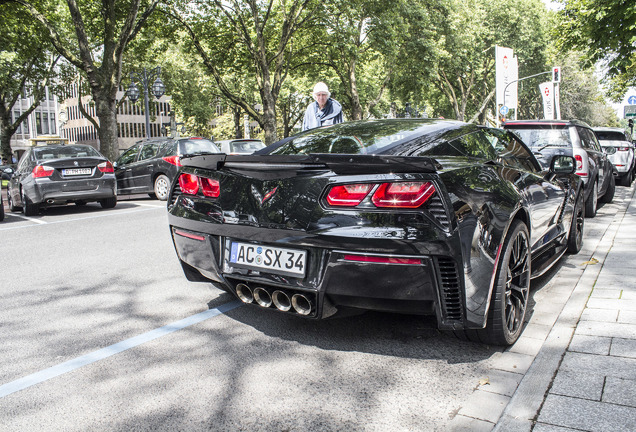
x=76, y=363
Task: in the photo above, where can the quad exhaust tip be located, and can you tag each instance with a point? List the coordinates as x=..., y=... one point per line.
x=301, y=304
x=262, y=297
x=244, y=293
x=281, y=301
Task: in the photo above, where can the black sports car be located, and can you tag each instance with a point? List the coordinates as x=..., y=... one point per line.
x=429, y=217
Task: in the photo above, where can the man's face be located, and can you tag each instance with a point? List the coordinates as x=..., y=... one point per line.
x=321, y=98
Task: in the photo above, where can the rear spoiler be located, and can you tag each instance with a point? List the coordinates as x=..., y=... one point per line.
x=338, y=163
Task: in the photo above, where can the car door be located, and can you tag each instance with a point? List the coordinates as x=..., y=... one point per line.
x=124, y=171
x=145, y=167
x=597, y=158
x=21, y=175
x=545, y=198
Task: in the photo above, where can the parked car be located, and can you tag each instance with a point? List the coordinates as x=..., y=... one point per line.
x=618, y=145
x=150, y=165
x=56, y=174
x=421, y=216
x=1, y=209
x=6, y=172
x=240, y=146
x=547, y=138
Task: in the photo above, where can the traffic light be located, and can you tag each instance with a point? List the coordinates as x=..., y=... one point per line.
x=556, y=74
x=630, y=123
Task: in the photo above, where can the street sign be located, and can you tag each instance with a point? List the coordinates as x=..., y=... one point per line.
x=504, y=110
x=630, y=111
x=632, y=100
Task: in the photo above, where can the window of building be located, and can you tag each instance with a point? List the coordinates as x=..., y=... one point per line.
x=53, y=128
x=45, y=123
x=38, y=123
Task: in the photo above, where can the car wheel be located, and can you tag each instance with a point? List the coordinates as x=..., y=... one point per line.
x=510, y=293
x=162, y=187
x=575, y=236
x=1, y=211
x=626, y=180
x=28, y=208
x=12, y=206
x=108, y=202
x=608, y=196
x=592, y=201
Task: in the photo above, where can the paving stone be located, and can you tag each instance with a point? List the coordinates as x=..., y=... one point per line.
x=607, y=293
x=587, y=415
x=606, y=315
x=485, y=406
x=511, y=362
x=590, y=344
x=621, y=304
x=628, y=293
x=619, y=330
x=620, y=391
x=620, y=367
x=628, y=317
x=623, y=348
x=536, y=331
x=527, y=345
x=574, y=384
x=462, y=423
x=501, y=382
x=544, y=318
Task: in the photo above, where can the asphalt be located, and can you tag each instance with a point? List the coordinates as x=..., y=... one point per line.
x=574, y=368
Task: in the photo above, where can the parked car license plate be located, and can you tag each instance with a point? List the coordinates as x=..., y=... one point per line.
x=273, y=259
x=76, y=171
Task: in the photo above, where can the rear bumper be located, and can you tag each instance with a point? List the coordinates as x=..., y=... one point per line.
x=59, y=192
x=333, y=281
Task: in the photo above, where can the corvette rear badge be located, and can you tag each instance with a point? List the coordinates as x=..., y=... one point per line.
x=268, y=195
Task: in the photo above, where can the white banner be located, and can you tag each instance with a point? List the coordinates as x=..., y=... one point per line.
x=557, y=104
x=547, y=92
x=505, y=72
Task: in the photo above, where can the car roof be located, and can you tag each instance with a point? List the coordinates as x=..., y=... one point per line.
x=543, y=123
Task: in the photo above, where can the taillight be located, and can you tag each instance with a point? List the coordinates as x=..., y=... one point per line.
x=348, y=195
x=174, y=160
x=622, y=148
x=382, y=259
x=403, y=194
x=106, y=167
x=189, y=184
x=211, y=188
x=579, y=166
x=42, y=171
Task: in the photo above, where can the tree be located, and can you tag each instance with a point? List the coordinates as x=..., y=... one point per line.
x=604, y=31
x=253, y=34
x=26, y=66
x=93, y=37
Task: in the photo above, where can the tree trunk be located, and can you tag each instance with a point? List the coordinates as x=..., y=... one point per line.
x=238, y=126
x=5, y=137
x=107, y=114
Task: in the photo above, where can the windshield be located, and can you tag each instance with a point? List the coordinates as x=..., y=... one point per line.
x=544, y=137
x=198, y=146
x=64, y=152
x=610, y=136
x=246, y=146
x=364, y=137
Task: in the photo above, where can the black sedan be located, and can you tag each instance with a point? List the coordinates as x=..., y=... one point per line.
x=428, y=217
x=150, y=166
x=59, y=174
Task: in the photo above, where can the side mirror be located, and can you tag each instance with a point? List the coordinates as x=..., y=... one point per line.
x=561, y=164
x=115, y=164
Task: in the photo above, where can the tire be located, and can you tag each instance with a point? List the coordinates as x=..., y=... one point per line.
x=575, y=236
x=626, y=180
x=162, y=187
x=80, y=203
x=592, y=201
x=108, y=202
x=12, y=207
x=1, y=211
x=28, y=208
x=608, y=196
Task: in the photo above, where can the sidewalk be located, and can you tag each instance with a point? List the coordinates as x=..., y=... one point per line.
x=584, y=376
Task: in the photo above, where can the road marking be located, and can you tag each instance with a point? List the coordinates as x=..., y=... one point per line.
x=122, y=212
x=27, y=218
x=76, y=363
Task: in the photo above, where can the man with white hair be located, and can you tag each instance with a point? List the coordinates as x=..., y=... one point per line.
x=324, y=111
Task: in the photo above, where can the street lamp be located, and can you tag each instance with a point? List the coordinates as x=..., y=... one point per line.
x=158, y=89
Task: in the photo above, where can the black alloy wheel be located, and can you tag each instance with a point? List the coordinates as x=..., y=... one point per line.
x=510, y=293
x=575, y=236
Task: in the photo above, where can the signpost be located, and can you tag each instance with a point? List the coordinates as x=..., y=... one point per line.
x=630, y=111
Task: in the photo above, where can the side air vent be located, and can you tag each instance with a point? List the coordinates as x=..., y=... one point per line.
x=449, y=289
x=436, y=208
x=175, y=194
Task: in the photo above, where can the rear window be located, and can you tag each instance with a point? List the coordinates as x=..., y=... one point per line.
x=65, y=152
x=246, y=146
x=541, y=137
x=610, y=136
x=198, y=146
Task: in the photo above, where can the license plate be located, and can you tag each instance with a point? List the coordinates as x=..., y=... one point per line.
x=290, y=262
x=77, y=171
